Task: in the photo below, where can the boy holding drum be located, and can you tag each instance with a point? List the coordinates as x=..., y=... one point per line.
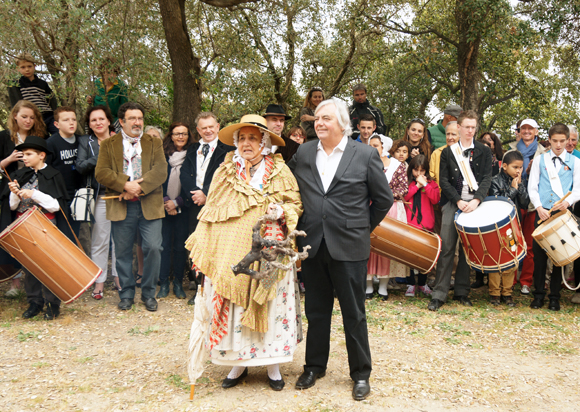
x=508, y=183
x=553, y=175
x=37, y=184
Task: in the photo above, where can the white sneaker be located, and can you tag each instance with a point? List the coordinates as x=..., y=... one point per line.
x=425, y=290
x=525, y=290
x=12, y=293
x=410, y=293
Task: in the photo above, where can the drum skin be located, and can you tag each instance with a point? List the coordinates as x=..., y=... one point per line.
x=493, y=248
x=406, y=244
x=49, y=255
x=559, y=236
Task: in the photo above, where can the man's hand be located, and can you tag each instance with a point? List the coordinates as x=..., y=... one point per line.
x=468, y=207
x=561, y=206
x=198, y=197
x=170, y=206
x=126, y=196
x=543, y=213
x=172, y=212
x=133, y=188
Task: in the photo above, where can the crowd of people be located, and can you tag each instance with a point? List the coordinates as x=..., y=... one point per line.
x=196, y=194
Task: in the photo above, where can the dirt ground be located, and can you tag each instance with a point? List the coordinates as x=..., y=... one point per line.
x=95, y=357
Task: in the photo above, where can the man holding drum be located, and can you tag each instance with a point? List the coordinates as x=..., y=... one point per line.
x=552, y=176
x=464, y=177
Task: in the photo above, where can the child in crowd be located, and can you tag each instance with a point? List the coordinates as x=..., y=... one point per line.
x=63, y=149
x=396, y=172
x=508, y=183
x=38, y=184
x=552, y=175
x=423, y=194
x=33, y=89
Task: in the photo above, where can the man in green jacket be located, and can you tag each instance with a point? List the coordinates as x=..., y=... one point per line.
x=437, y=132
x=132, y=167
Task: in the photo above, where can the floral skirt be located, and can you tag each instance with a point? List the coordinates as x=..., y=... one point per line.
x=243, y=347
x=382, y=266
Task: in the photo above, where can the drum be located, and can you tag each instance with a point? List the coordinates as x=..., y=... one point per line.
x=491, y=235
x=558, y=236
x=49, y=255
x=406, y=244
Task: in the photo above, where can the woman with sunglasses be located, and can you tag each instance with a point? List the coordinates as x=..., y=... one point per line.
x=416, y=135
x=176, y=222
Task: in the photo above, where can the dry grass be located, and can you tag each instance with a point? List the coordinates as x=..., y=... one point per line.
x=97, y=358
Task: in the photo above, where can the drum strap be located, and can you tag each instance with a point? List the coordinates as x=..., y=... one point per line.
x=72, y=231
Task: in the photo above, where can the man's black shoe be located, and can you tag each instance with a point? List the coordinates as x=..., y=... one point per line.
x=125, y=304
x=554, y=304
x=230, y=383
x=361, y=390
x=464, y=300
x=52, y=311
x=32, y=311
x=537, y=303
x=308, y=379
x=150, y=304
x=435, y=304
x=276, y=385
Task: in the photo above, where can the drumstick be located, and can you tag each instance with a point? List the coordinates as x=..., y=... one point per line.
x=556, y=204
x=115, y=197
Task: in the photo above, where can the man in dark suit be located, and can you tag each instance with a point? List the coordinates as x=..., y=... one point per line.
x=345, y=196
x=459, y=192
x=201, y=162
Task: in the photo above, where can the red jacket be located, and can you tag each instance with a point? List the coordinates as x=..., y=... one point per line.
x=430, y=196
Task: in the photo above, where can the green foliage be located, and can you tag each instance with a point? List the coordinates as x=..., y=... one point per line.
x=408, y=53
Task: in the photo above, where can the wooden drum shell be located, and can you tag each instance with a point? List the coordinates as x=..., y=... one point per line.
x=49, y=255
x=406, y=244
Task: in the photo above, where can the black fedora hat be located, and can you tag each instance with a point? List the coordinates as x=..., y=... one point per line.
x=33, y=142
x=276, y=110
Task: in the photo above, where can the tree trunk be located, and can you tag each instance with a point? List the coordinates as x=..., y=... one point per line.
x=186, y=67
x=467, y=58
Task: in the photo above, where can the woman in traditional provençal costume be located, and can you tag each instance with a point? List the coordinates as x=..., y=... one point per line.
x=253, y=322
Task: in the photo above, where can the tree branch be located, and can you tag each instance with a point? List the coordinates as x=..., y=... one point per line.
x=227, y=3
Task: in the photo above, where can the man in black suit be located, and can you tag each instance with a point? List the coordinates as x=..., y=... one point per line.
x=458, y=191
x=201, y=162
x=345, y=196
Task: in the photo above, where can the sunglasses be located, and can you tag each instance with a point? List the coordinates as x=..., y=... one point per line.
x=417, y=120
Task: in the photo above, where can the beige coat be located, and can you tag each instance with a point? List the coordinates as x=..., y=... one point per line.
x=109, y=173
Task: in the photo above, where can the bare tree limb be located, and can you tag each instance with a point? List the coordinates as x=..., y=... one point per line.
x=227, y=3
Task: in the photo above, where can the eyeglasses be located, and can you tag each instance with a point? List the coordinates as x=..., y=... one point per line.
x=179, y=134
x=417, y=120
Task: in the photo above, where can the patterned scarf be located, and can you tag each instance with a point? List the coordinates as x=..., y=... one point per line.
x=132, y=156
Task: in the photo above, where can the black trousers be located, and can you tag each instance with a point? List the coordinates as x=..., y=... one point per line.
x=540, y=265
x=36, y=292
x=323, y=275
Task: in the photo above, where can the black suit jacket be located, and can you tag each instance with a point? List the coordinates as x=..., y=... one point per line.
x=356, y=201
x=188, y=176
x=449, y=173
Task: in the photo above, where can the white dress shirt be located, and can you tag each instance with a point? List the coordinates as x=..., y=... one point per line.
x=327, y=164
x=534, y=179
x=202, y=163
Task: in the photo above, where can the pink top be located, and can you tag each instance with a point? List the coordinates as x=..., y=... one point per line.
x=430, y=196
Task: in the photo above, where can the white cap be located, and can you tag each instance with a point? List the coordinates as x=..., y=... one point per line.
x=529, y=122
